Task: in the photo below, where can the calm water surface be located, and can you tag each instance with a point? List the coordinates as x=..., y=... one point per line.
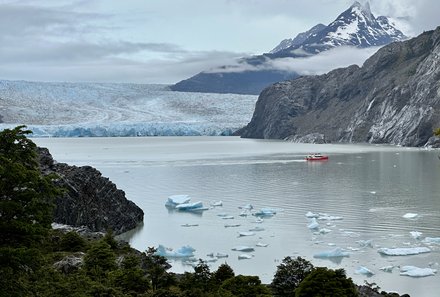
x=370, y=187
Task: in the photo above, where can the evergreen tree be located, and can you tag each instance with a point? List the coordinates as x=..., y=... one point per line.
x=289, y=275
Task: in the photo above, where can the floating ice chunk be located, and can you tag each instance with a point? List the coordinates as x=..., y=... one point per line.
x=244, y=213
x=222, y=215
x=259, y=220
x=187, y=206
x=245, y=256
x=247, y=206
x=313, y=224
x=414, y=271
x=311, y=215
x=266, y=212
x=175, y=200
x=364, y=271
x=257, y=229
x=365, y=243
x=431, y=240
x=221, y=255
x=335, y=253
x=232, y=225
x=416, y=234
x=326, y=217
x=373, y=192
x=210, y=255
x=227, y=217
x=349, y=233
x=410, y=215
x=246, y=233
x=243, y=248
x=189, y=225
x=182, y=252
x=260, y=244
x=324, y=231
x=403, y=251
x=387, y=268
x=217, y=203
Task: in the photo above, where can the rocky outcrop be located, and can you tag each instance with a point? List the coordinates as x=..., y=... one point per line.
x=89, y=199
x=394, y=98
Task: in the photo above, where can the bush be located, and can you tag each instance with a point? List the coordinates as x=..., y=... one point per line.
x=72, y=242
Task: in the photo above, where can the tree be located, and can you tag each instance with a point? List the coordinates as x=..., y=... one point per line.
x=156, y=267
x=223, y=272
x=26, y=210
x=99, y=260
x=326, y=282
x=130, y=277
x=289, y=275
x=245, y=286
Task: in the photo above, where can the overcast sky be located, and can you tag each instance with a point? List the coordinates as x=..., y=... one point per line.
x=163, y=41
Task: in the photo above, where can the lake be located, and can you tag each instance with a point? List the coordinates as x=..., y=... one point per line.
x=365, y=190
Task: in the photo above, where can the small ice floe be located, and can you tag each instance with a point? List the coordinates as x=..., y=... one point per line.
x=217, y=203
x=182, y=252
x=221, y=255
x=259, y=220
x=373, y=192
x=364, y=271
x=410, y=216
x=222, y=214
x=335, y=253
x=414, y=271
x=227, y=217
x=431, y=240
x=313, y=224
x=324, y=231
x=245, y=256
x=311, y=215
x=211, y=255
x=265, y=212
x=257, y=229
x=403, y=251
x=232, y=225
x=415, y=234
x=175, y=200
x=260, y=244
x=243, y=248
x=365, y=243
x=244, y=213
x=246, y=233
x=326, y=217
x=189, y=225
x=349, y=233
x=387, y=268
x=247, y=206
x=331, y=244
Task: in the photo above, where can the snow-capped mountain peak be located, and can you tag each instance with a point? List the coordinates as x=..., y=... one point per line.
x=299, y=39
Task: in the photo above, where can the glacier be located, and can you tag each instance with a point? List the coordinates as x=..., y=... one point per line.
x=118, y=109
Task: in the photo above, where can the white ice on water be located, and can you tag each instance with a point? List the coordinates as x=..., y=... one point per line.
x=243, y=248
x=431, y=240
x=175, y=200
x=335, y=253
x=403, y=251
x=364, y=271
x=313, y=224
x=415, y=271
x=410, y=215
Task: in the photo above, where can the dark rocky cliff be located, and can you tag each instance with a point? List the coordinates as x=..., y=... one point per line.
x=394, y=98
x=90, y=199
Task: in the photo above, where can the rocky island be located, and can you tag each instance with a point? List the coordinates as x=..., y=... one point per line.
x=393, y=98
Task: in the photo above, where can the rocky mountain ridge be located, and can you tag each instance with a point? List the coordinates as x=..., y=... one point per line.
x=393, y=98
x=89, y=199
x=355, y=27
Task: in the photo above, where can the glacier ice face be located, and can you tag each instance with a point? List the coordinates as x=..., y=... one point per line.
x=403, y=251
x=94, y=109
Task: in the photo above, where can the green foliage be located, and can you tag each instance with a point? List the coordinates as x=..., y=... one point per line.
x=437, y=132
x=72, y=242
x=223, y=272
x=99, y=260
x=245, y=286
x=290, y=273
x=130, y=278
x=326, y=282
x=156, y=268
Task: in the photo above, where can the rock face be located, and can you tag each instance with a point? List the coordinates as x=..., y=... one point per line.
x=355, y=27
x=394, y=98
x=90, y=199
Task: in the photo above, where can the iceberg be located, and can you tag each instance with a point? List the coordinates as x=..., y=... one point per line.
x=365, y=243
x=188, y=206
x=335, y=253
x=310, y=215
x=183, y=252
x=260, y=244
x=415, y=234
x=403, y=251
x=175, y=200
x=246, y=233
x=266, y=212
x=247, y=206
x=221, y=255
x=414, y=271
x=257, y=229
x=364, y=271
x=410, y=215
x=387, y=268
x=227, y=217
x=245, y=256
x=189, y=225
x=431, y=240
x=313, y=224
x=243, y=248
x=232, y=225
x=217, y=203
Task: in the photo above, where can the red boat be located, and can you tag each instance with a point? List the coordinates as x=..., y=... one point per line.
x=316, y=157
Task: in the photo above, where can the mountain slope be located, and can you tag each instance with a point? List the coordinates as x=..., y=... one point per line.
x=356, y=27
x=394, y=98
